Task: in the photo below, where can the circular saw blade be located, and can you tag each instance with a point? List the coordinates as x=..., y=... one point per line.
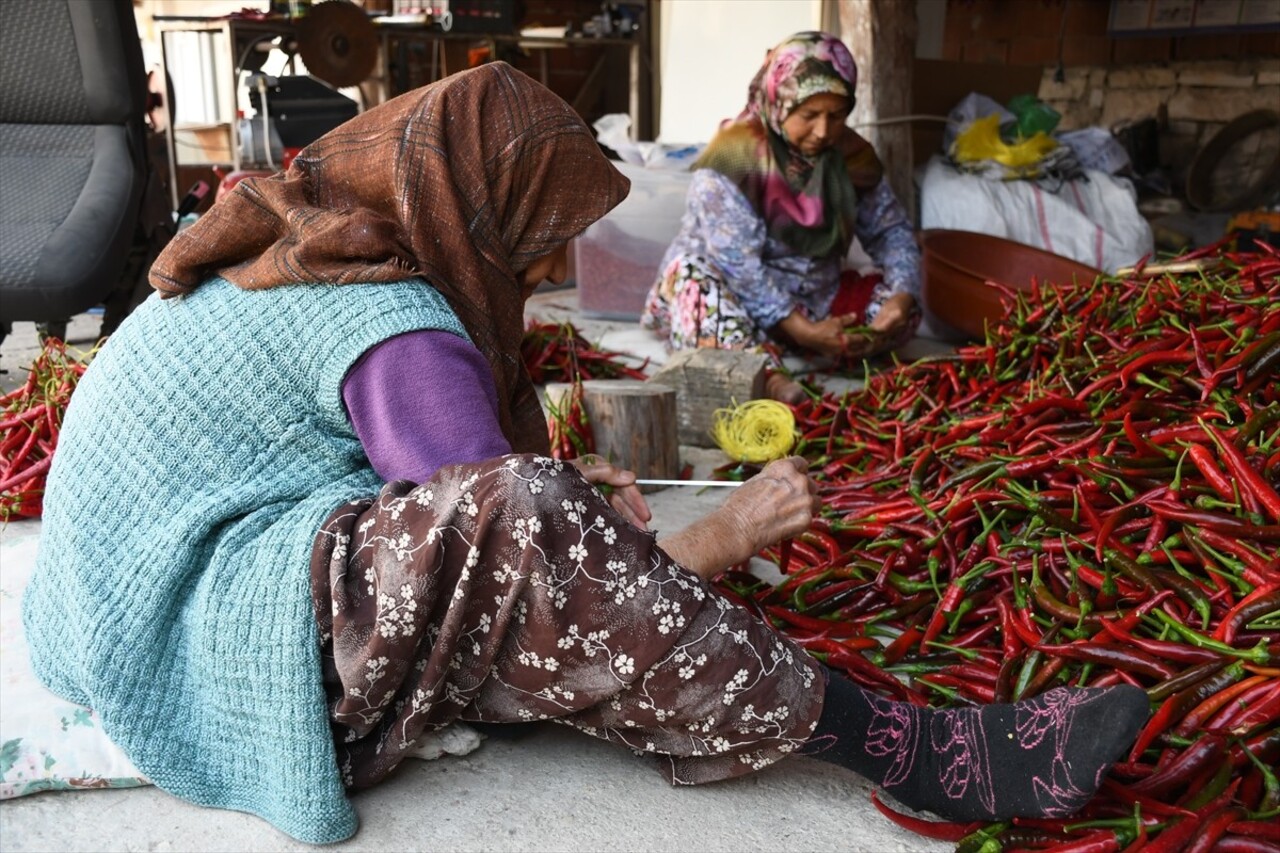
x=338, y=43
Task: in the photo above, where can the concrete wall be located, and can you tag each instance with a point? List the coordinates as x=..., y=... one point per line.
x=1191, y=100
x=709, y=51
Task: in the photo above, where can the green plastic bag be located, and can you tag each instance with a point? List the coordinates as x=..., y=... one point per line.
x=1034, y=115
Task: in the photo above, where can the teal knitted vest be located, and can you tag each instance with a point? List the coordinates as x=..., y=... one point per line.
x=201, y=452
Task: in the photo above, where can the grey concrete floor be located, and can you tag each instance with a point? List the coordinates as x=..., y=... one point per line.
x=545, y=789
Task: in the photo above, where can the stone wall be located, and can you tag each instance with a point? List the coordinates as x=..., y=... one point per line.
x=1191, y=100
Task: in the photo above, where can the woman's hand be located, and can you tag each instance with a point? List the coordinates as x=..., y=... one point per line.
x=777, y=503
x=888, y=327
x=625, y=496
x=823, y=336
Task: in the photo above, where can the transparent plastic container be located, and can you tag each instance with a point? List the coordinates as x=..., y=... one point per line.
x=616, y=259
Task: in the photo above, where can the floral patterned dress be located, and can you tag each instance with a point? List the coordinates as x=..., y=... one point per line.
x=510, y=590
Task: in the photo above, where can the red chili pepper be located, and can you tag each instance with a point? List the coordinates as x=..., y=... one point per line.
x=1180, y=652
x=1215, y=521
x=1203, y=460
x=799, y=620
x=1256, y=828
x=1174, y=357
x=1261, y=708
x=784, y=557
x=1190, y=761
x=1250, y=479
x=975, y=691
x=1207, y=682
x=904, y=641
x=1266, y=570
x=26, y=474
x=1263, y=600
x=1243, y=844
x=939, y=830
x=1127, y=659
x=1212, y=829
x=1098, y=841
x=974, y=637
x=1151, y=806
x=1177, y=835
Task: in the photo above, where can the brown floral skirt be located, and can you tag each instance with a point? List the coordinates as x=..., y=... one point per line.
x=510, y=590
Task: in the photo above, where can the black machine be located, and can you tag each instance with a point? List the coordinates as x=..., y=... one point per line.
x=300, y=108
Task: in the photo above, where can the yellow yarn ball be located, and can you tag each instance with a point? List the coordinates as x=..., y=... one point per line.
x=757, y=431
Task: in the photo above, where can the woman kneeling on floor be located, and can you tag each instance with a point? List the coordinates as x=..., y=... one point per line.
x=775, y=201
x=300, y=513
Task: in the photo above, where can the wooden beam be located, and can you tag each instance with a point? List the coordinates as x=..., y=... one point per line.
x=882, y=37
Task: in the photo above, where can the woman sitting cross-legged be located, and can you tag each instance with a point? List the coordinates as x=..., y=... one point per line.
x=773, y=206
x=301, y=514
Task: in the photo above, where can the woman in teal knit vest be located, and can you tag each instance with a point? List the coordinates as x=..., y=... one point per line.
x=301, y=512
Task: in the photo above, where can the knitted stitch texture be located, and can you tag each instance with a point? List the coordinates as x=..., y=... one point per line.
x=200, y=454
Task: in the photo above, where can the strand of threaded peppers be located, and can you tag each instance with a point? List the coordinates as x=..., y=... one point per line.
x=1087, y=498
x=558, y=352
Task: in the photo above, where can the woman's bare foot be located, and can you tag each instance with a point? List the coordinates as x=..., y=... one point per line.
x=780, y=387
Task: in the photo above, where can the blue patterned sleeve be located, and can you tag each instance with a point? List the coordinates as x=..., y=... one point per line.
x=885, y=231
x=733, y=237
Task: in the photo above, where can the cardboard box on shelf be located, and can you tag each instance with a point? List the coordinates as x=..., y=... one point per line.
x=617, y=258
x=201, y=144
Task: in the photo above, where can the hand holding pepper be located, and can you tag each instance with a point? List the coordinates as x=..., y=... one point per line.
x=775, y=504
x=624, y=496
x=885, y=331
x=822, y=336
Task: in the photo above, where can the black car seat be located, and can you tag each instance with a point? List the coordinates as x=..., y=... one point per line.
x=73, y=162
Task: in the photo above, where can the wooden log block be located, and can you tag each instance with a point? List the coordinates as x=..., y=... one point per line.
x=706, y=380
x=633, y=422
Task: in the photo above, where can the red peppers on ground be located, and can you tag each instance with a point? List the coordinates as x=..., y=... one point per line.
x=30, y=418
x=1089, y=497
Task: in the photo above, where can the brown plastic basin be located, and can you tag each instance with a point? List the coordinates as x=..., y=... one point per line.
x=958, y=264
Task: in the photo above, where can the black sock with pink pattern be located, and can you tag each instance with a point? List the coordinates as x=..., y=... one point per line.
x=1043, y=757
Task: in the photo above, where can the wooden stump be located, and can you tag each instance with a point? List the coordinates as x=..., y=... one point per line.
x=633, y=422
x=706, y=380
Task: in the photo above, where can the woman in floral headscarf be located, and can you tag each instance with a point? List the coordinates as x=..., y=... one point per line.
x=775, y=201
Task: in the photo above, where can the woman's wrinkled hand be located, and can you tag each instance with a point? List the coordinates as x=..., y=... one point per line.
x=624, y=496
x=775, y=504
x=778, y=503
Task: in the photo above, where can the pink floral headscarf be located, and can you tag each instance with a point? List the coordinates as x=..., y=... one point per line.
x=809, y=203
x=806, y=64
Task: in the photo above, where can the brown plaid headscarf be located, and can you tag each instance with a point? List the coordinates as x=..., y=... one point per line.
x=463, y=182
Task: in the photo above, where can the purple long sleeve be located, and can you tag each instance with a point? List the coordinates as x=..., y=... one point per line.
x=421, y=400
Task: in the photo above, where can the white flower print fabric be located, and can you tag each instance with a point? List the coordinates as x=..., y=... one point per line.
x=509, y=591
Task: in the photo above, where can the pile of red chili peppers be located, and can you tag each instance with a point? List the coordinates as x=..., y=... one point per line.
x=557, y=352
x=1088, y=498
x=30, y=418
